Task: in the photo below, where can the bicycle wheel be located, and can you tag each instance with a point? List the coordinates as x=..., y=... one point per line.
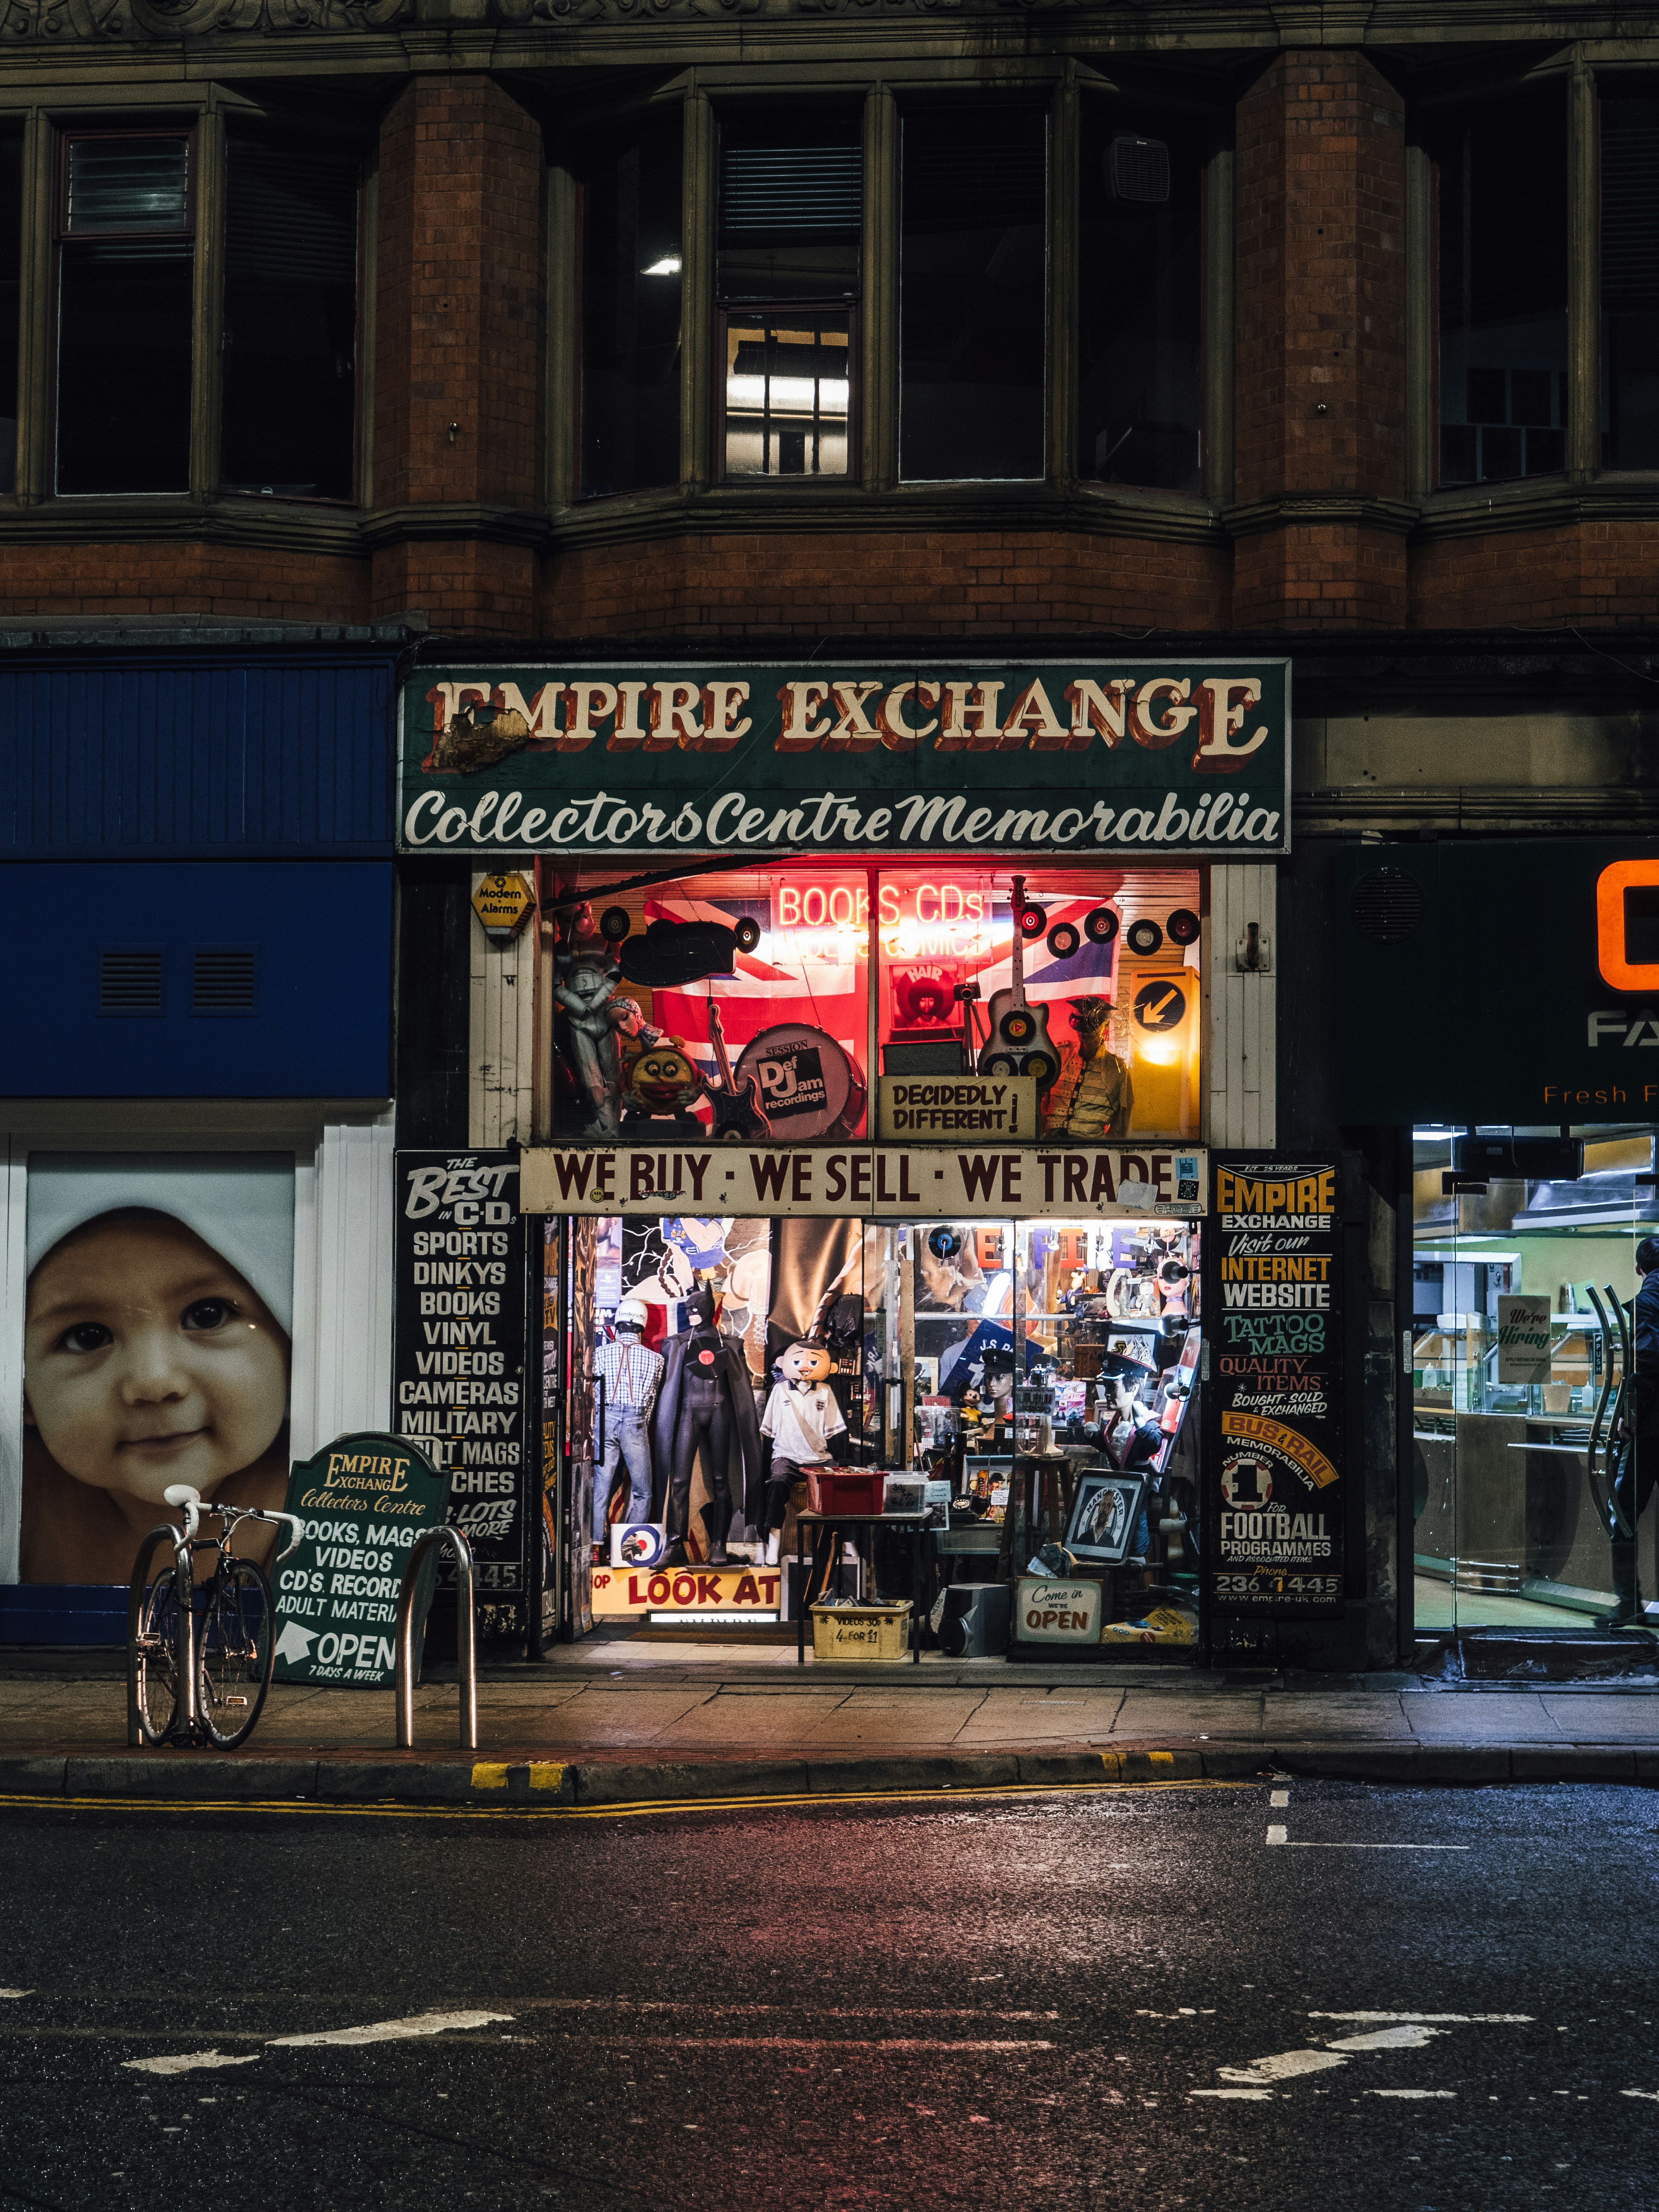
x=235, y=1653
x=158, y=1659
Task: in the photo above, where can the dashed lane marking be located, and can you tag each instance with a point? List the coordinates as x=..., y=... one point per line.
x=187, y=2061
x=1448, y=2019
x=389, y=2031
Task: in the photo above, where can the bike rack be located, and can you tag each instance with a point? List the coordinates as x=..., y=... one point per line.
x=466, y=1637
x=166, y=1534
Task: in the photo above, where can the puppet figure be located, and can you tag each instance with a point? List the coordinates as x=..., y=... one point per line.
x=801, y=1419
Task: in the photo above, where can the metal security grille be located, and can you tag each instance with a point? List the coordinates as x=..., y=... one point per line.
x=1630, y=204
x=1386, y=905
x=132, y=979
x=223, y=979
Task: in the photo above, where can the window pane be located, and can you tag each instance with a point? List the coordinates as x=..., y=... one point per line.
x=973, y=279
x=792, y=205
x=290, y=406
x=124, y=366
x=786, y=395
x=11, y=239
x=1139, y=292
x=1503, y=182
x=128, y=184
x=1629, y=283
x=631, y=312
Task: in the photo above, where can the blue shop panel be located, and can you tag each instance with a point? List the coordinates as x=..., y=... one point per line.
x=246, y=978
x=140, y=757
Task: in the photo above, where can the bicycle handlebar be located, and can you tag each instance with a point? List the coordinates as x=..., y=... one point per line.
x=181, y=1494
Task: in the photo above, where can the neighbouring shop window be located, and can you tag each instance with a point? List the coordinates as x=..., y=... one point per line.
x=1502, y=175
x=125, y=229
x=631, y=309
x=791, y=210
x=289, y=396
x=1630, y=283
x=974, y=283
x=1139, y=299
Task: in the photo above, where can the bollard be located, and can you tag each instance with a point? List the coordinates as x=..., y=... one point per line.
x=466, y=1637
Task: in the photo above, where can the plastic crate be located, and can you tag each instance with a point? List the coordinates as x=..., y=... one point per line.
x=846, y=1489
x=861, y=1631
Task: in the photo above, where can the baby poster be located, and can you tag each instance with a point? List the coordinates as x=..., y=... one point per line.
x=157, y=1346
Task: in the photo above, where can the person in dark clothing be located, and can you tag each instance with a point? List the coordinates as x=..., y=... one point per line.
x=1636, y=1465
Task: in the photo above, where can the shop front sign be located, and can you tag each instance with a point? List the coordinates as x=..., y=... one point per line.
x=1272, y=1299
x=362, y=1503
x=1499, y=983
x=457, y=1370
x=637, y=1592
x=1151, y=757
x=945, y=1109
x=1057, y=1612
x=878, y=1182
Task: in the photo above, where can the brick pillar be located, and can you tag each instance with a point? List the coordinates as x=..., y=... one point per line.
x=1320, y=361
x=458, y=359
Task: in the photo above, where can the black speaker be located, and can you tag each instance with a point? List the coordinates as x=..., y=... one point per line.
x=974, y=1625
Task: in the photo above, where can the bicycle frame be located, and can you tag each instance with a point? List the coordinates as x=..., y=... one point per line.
x=186, y=1543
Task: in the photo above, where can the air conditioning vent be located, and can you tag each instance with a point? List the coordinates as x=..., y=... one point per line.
x=132, y=979
x=223, y=979
x=1386, y=905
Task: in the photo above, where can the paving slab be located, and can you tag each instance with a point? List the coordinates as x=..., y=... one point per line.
x=1235, y=1713
x=1309, y=1714
x=1487, y=1717
x=1037, y=1716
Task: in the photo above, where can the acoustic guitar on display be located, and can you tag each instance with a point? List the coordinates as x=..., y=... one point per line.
x=737, y=1114
x=1019, y=1044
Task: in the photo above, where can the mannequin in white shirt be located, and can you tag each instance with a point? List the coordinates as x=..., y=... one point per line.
x=801, y=1419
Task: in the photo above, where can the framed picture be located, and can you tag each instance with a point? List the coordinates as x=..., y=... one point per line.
x=1105, y=1518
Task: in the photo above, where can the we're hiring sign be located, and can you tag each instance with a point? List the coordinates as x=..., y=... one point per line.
x=1150, y=758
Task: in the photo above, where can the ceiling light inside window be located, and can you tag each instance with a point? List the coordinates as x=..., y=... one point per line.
x=668, y=266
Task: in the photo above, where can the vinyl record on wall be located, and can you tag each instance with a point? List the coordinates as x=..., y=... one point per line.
x=1064, y=940
x=1144, y=936
x=1100, y=926
x=1184, y=926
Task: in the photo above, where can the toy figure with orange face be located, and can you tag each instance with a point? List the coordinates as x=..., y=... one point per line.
x=663, y=1086
x=801, y=1419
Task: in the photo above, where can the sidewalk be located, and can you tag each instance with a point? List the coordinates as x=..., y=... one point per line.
x=616, y=1725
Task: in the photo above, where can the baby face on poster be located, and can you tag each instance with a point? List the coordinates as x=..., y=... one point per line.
x=149, y=1356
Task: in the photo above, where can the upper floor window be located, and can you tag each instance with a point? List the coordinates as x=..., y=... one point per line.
x=972, y=278
x=1140, y=289
x=787, y=287
x=1630, y=281
x=1501, y=179
x=131, y=373
x=629, y=223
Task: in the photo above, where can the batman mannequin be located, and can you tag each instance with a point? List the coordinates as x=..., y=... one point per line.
x=705, y=1400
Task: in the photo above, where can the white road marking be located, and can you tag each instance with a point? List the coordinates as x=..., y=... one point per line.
x=1281, y=2066
x=1248, y=2096
x=1409, y=2037
x=1413, y=2093
x=1452, y=2019
x=1370, y=1847
x=1280, y=1797
x=187, y=2062
x=1648, y=2096
x=1277, y=1834
x=390, y=2030
x=16, y=1993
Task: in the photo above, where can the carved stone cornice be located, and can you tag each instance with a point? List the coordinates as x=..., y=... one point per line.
x=1364, y=510
x=61, y=22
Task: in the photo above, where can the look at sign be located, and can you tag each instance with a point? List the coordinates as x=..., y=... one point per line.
x=502, y=904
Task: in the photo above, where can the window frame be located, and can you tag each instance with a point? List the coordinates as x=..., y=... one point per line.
x=724, y=313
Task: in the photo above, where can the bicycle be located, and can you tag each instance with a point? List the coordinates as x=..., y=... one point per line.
x=214, y=1640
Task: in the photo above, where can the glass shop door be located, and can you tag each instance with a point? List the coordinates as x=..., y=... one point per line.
x=1530, y=1513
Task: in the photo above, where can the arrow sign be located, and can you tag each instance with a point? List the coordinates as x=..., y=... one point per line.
x=295, y=1642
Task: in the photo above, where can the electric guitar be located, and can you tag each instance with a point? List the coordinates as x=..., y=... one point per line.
x=738, y=1115
x=1019, y=1044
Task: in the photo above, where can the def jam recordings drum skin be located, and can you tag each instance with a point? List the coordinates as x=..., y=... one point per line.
x=810, y=1088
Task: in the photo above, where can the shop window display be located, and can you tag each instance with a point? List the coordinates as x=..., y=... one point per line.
x=741, y=1004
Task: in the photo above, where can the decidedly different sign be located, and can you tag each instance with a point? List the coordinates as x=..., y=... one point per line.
x=881, y=1182
x=950, y=1109
x=364, y=1502
x=1272, y=1306
x=458, y=1366
x=1048, y=757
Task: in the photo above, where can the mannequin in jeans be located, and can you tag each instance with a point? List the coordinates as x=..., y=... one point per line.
x=630, y=1374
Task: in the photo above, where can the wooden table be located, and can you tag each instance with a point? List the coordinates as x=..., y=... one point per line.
x=826, y=1536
